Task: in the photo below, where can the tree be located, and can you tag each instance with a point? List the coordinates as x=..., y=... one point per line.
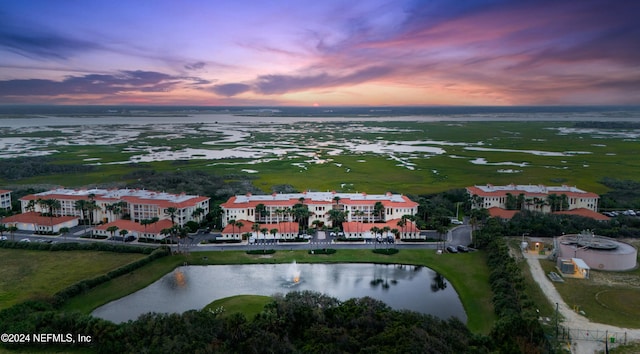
x=64, y=231
x=261, y=212
x=3, y=228
x=337, y=217
x=171, y=212
x=239, y=225
x=273, y=232
x=378, y=210
x=264, y=232
x=197, y=214
x=92, y=206
x=511, y=203
x=51, y=205
x=256, y=228
x=82, y=205
x=123, y=233
x=232, y=222
x=112, y=230
x=402, y=223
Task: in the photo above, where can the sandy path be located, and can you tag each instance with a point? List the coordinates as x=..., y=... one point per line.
x=571, y=318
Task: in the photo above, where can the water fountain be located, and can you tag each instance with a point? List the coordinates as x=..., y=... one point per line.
x=293, y=274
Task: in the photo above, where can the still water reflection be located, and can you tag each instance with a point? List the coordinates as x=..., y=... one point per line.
x=192, y=287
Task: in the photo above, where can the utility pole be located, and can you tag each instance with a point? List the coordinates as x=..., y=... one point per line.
x=556, y=320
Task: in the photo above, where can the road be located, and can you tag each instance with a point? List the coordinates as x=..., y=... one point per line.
x=460, y=235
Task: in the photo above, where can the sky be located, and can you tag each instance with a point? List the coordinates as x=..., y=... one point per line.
x=320, y=53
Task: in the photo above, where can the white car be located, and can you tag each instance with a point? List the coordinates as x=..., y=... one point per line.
x=25, y=240
x=3, y=238
x=456, y=222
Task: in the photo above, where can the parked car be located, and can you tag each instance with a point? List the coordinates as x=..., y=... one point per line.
x=3, y=238
x=456, y=222
x=462, y=248
x=25, y=240
x=451, y=249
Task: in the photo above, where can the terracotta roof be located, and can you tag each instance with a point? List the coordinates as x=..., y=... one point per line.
x=247, y=226
x=232, y=203
x=474, y=190
x=163, y=203
x=355, y=226
x=3, y=191
x=502, y=213
x=584, y=212
x=37, y=219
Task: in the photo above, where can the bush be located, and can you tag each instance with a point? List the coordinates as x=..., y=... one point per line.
x=270, y=251
x=323, y=251
x=387, y=251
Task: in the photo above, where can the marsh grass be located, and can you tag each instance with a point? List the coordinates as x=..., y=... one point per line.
x=379, y=173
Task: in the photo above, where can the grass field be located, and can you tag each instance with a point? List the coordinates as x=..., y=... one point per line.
x=31, y=274
x=467, y=273
x=248, y=305
x=617, y=305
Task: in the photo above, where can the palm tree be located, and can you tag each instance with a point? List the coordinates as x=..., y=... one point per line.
x=441, y=229
x=256, y=228
x=166, y=232
x=123, y=233
x=402, y=223
x=239, y=225
x=112, y=230
x=378, y=209
x=31, y=205
x=197, y=214
x=316, y=223
x=264, y=231
x=91, y=208
x=3, y=228
x=64, y=231
x=51, y=204
x=12, y=230
x=337, y=200
x=81, y=205
x=375, y=230
x=261, y=212
x=171, y=213
x=385, y=231
x=273, y=232
x=232, y=222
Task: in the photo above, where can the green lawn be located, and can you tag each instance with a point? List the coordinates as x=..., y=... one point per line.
x=467, y=273
x=248, y=305
x=31, y=274
x=611, y=304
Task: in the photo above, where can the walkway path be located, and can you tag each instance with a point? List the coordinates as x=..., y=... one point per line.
x=571, y=318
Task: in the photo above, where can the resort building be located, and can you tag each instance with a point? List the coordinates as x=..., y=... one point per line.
x=32, y=221
x=5, y=199
x=153, y=231
x=358, y=212
x=116, y=204
x=505, y=201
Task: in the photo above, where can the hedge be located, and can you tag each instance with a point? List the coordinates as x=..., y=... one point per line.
x=387, y=251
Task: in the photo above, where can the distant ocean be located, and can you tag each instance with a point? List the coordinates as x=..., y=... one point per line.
x=43, y=114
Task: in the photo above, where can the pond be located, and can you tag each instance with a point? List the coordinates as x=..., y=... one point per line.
x=407, y=287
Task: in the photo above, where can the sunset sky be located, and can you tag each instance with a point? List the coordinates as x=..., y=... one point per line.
x=326, y=53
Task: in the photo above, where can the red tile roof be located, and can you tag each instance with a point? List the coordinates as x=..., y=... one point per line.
x=503, y=193
x=355, y=226
x=37, y=219
x=584, y=212
x=247, y=226
x=502, y=213
x=3, y=191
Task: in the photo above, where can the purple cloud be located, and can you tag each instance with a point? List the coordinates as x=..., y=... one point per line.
x=125, y=81
x=278, y=84
x=230, y=90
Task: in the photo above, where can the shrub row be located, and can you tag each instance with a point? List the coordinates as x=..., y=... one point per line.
x=517, y=328
x=270, y=251
x=80, y=287
x=219, y=241
x=323, y=251
x=76, y=246
x=387, y=251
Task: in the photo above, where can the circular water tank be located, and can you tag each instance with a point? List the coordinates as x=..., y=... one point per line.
x=600, y=253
